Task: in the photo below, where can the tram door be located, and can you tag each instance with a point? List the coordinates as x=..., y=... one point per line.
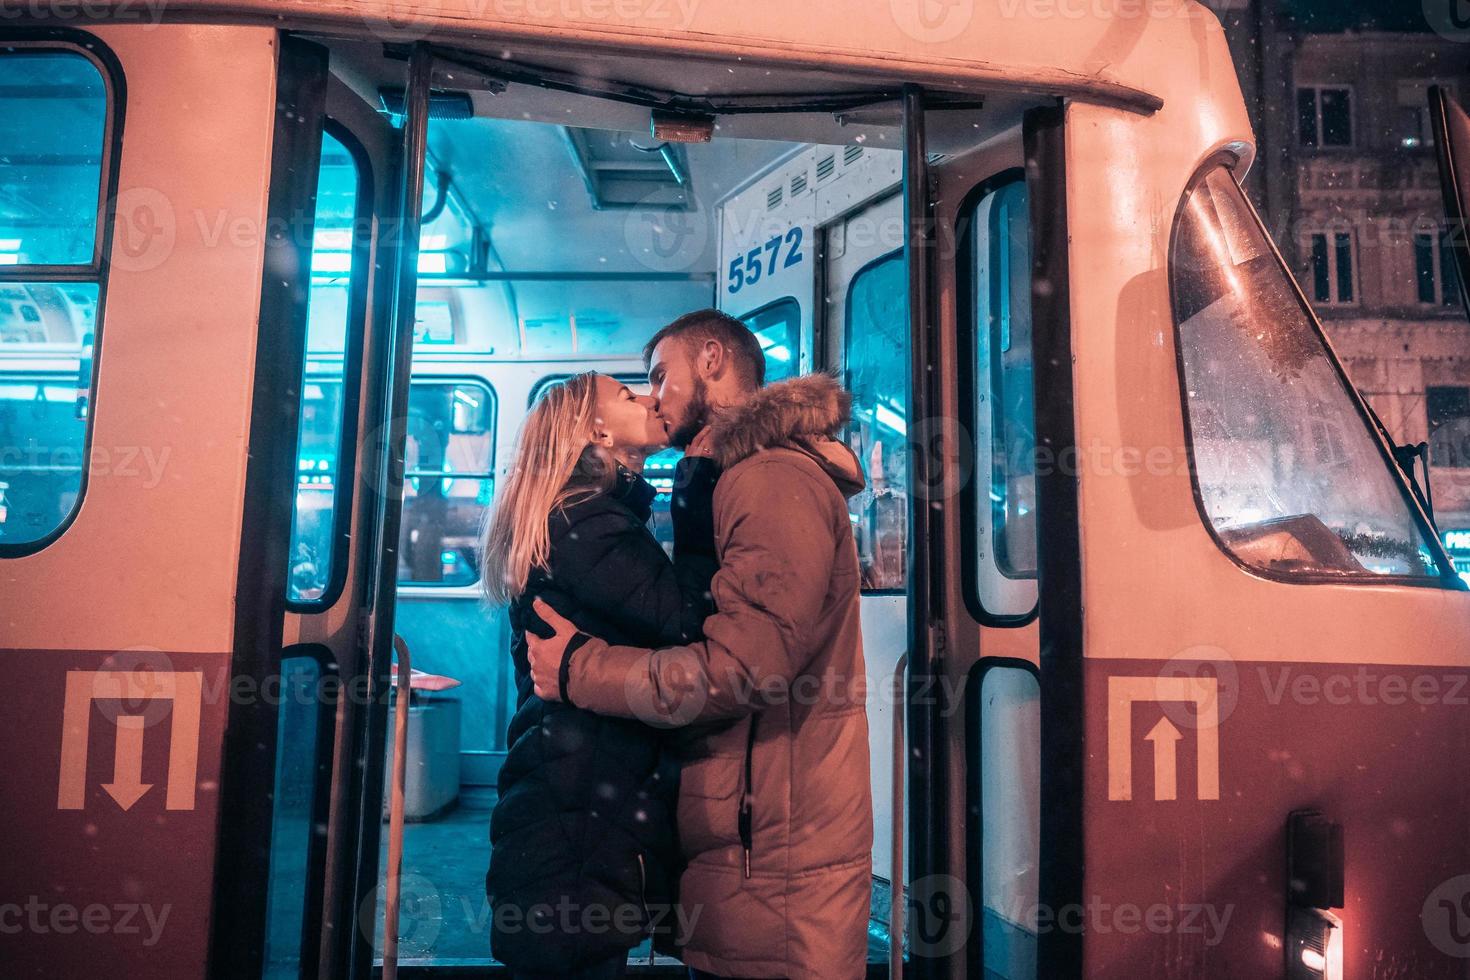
x=864, y=339
x=153, y=297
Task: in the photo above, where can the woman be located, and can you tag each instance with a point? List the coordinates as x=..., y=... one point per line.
x=583, y=852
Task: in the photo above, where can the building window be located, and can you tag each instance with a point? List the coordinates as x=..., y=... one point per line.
x=1412, y=128
x=57, y=167
x=1449, y=426
x=1333, y=258
x=1325, y=116
x=1438, y=282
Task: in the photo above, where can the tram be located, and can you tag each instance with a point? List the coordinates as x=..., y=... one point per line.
x=1166, y=661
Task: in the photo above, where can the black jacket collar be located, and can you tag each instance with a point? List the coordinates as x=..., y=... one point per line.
x=633, y=492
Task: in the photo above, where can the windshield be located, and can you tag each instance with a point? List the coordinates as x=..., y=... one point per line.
x=1289, y=475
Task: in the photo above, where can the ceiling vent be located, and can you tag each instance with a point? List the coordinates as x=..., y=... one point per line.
x=623, y=171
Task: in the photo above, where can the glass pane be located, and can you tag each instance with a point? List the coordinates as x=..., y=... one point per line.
x=300, y=745
x=1424, y=267
x=1005, y=430
x=1344, y=248
x=778, y=328
x=877, y=376
x=1306, y=110
x=1013, y=479
x=313, y=521
x=1009, y=778
x=43, y=415
x=451, y=430
x=53, y=115
x=1321, y=273
x=1449, y=276
x=1337, y=117
x=1291, y=478
x=1449, y=426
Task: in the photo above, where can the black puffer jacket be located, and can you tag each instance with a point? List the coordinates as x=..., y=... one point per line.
x=583, y=841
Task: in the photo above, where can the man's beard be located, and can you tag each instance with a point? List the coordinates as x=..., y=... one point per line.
x=696, y=416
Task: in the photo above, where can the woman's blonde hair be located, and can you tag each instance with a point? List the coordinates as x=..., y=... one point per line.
x=556, y=464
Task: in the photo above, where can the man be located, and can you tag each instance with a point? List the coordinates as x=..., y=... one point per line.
x=775, y=809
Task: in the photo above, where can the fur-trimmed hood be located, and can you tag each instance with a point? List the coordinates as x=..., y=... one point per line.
x=804, y=414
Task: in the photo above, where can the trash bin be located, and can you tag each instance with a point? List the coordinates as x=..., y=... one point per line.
x=431, y=776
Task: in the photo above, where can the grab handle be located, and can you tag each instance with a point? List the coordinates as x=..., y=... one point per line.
x=395, y=811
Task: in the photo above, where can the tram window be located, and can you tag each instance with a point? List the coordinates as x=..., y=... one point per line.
x=54, y=144
x=448, y=481
x=53, y=116
x=778, y=328
x=317, y=531
x=1289, y=477
x=1002, y=518
x=877, y=368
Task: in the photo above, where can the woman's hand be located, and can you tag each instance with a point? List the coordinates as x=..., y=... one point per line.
x=701, y=445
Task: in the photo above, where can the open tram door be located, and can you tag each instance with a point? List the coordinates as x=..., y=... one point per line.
x=163, y=632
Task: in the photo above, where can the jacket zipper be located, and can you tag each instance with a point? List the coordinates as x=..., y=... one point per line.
x=643, y=900
x=746, y=796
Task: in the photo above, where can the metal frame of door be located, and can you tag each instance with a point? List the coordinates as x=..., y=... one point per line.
x=242, y=865
x=339, y=879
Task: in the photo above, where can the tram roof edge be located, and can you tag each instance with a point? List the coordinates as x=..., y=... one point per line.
x=1106, y=52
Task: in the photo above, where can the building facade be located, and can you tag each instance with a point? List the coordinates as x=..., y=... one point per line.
x=1347, y=180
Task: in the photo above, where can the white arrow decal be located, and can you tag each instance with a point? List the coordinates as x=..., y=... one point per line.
x=127, y=786
x=1204, y=692
x=1166, y=768
x=183, y=688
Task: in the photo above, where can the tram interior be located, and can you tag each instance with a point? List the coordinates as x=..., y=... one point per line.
x=568, y=234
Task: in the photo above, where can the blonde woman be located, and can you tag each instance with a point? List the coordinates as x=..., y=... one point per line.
x=584, y=856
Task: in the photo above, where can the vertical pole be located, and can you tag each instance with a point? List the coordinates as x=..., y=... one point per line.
x=388, y=477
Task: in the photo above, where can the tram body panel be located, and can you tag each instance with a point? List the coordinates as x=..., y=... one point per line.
x=173, y=391
x=117, y=644
x=1203, y=731
x=1115, y=52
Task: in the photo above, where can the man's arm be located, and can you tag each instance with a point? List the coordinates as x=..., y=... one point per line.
x=775, y=573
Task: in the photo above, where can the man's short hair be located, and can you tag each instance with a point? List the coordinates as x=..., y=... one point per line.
x=695, y=328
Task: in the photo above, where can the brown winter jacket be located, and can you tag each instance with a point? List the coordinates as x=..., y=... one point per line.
x=775, y=810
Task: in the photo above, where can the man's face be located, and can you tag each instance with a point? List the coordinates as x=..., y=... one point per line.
x=683, y=399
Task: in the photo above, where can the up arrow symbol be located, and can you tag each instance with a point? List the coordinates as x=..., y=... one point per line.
x=127, y=786
x=1166, y=739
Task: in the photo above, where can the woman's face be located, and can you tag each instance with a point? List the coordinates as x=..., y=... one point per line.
x=623, y=420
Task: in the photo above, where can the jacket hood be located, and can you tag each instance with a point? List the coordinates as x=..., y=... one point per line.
x=804, y=414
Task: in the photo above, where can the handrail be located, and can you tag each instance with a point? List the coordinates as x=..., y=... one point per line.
x=395, y=811
x=896, y=896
